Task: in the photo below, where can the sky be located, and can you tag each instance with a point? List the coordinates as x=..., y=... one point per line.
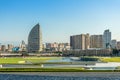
x=59, y=19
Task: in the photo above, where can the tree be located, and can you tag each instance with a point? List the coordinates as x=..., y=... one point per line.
x=115, y=52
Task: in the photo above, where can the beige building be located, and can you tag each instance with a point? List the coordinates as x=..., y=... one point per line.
x=52, y=46
x=57, y=46
x=3, y=48
x=10, y=47
x=96, y=41
x=80, y=42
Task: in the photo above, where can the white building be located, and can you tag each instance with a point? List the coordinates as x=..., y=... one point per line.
x=23, y=46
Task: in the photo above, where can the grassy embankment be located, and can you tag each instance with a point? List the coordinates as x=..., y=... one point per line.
x=34, y=60
x=52, y=70
x=110, y=59
x=41, y=69
x=16, y=60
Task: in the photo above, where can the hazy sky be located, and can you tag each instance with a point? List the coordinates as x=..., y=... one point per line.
x=58, y=18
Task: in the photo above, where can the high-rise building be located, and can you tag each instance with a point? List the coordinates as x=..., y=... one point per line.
x=81, y=41
x=35, y=39
x=107, y=39
x=10, y=47
x=114, y=44
x=87, y=41
x=22, y=46
x=96, y=41
x=3, y=48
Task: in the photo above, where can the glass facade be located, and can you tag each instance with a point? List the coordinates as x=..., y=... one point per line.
x=35, y=39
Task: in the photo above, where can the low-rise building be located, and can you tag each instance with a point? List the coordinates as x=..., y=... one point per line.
x=57, y=46
x=88, y=52
x=118, y=45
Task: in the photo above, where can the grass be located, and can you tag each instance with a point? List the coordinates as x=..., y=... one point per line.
x=110, y=59
x=42, y=60
x=33, y=60
x=39, y=60
x=40, y=69
x=118, y=68
x=52, y=70
x=15, y=60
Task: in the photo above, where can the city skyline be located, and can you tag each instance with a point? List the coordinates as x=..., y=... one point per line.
x=58, y=19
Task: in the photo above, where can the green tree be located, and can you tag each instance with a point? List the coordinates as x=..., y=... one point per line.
x=115, y=52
